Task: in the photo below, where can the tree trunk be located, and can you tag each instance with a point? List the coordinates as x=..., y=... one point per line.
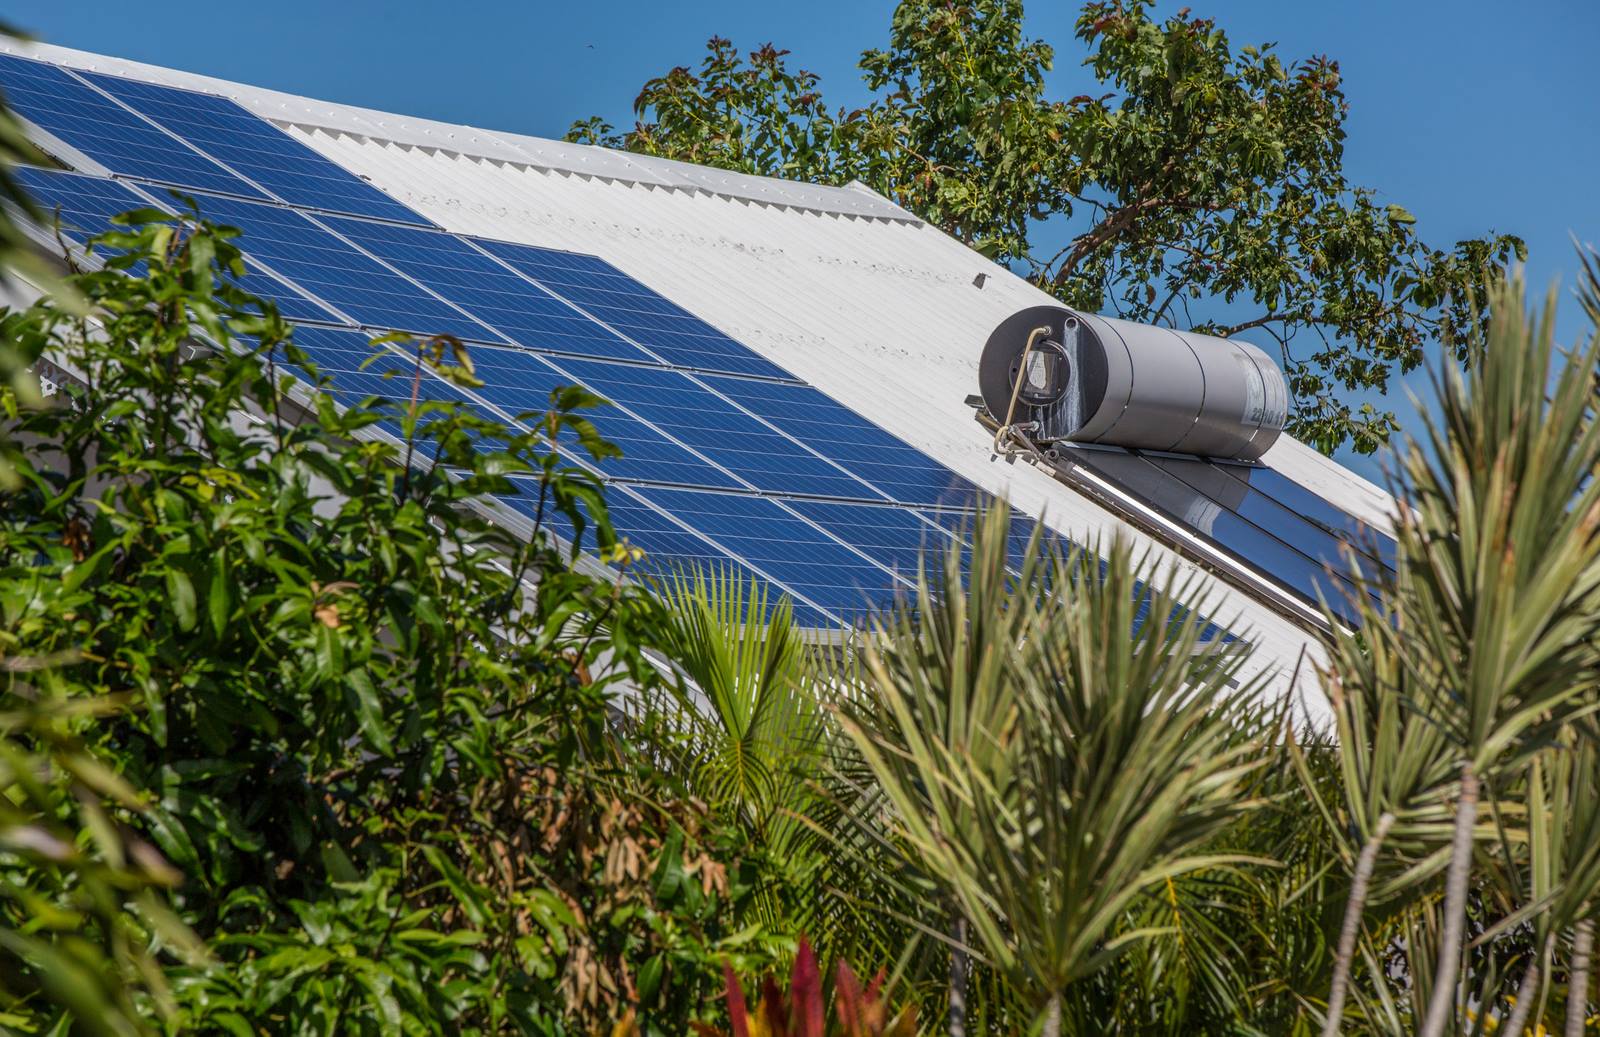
x=1517, y=1021
x=957, y=1015
x=1442, y=1003
x=1352, y=925
x=1578, y=978
x=1052, y=1017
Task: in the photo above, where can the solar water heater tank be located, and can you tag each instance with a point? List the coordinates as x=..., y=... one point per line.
x=1055, y=374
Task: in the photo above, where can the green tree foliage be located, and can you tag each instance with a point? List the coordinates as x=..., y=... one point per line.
x=1202, y=187
x=750, y=726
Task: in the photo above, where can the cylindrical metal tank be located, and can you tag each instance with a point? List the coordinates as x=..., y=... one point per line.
x=1092, y=379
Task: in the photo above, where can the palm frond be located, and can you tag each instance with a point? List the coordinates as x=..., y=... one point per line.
x=1055, y=742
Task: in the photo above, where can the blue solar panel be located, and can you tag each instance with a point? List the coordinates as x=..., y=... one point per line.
x=255, y=148
x=660, y=325
x=86, y=205
x=1303, y=573
x=896, y=537
x=517, y=381
x=669, y=547
x=83, y=204
x=517, y=308
x=711, y=425
x=336, y=272
x=57, y=102
x=901, y=471
x=783, y=546
x=346, y=350
x=1019, y=531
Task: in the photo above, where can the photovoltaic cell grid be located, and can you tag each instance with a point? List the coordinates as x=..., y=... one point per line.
x=668, y=547
x=905, y=473
x=1019, y=534
x=333, y=270
x=762, y=536
x=780, y=544
x=810, y=560
x=352, y=369
x=255, y=149
x=86, y=204
x=52, y=99
x=711, y=425
x=897, y=537
x=959, y=524
x=518, y=382
x=520, y=310
x=81, y=205
x=660, y=325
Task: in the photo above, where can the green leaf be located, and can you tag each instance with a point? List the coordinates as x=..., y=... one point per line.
x=369, y=710
x=219, y=595
x=470, y=896
x=180, y=595
x=649, y=979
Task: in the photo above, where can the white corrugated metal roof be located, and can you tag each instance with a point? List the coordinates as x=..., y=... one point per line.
x=838, y=285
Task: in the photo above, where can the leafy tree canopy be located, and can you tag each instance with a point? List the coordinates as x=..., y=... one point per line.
x=1202, y=175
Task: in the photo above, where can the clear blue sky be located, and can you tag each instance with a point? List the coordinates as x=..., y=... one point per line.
x=1475, y=115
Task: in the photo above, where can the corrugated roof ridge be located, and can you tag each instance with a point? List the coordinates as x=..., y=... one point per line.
x=856, y=200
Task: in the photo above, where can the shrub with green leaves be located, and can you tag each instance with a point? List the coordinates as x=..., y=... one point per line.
x=368, y=728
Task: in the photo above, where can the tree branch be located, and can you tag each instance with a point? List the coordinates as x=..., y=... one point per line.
x=1115, y=224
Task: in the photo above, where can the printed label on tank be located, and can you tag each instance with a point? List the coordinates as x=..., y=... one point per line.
x=1277, y=403
x=1255, y=391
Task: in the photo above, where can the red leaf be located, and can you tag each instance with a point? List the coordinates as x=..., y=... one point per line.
x=738, y=1019
x=805, y=993
x=847, y=991
x=777, y=1014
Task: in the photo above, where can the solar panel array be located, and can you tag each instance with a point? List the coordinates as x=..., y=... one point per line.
x=728, y=458
x=107, y=132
